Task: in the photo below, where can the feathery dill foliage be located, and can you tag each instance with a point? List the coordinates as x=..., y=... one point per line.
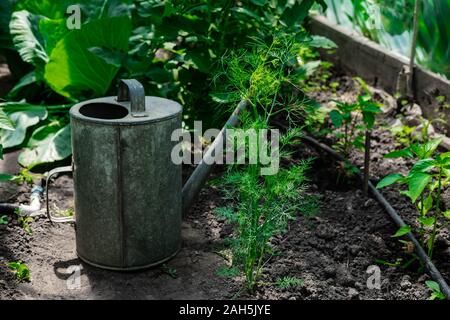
x=263, y=207
x=268, y=75
x=263, y=204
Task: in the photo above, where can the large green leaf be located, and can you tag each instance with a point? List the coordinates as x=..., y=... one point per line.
x=54, y=9
x=416, y=184
x=5, y=121
x=52, y=31
x=47, y=144
x=73, y=69
x=426, y=150
x=297, y=13
x=23, y=116
x=24, y=28
x=424, y=165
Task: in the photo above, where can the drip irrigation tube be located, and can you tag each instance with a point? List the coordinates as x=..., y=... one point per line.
x=434, y=272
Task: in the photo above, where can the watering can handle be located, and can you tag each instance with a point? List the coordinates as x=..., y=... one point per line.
x=133, y=91
x=47, y=185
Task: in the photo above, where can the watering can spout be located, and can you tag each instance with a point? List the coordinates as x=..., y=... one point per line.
x=198, y=178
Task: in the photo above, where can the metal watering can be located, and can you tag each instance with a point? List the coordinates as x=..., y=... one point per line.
x=128, y=203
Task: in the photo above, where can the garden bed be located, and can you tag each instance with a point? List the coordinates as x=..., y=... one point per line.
x=330, y=252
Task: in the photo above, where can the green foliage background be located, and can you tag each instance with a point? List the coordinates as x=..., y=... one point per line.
x=171, y=46
x=433, y=51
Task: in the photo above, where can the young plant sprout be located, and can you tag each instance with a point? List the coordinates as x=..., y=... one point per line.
x=20, y=270
x=425, y=184
x=437, y=293
x=356, y=120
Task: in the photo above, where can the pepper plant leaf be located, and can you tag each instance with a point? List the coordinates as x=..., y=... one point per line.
x=424, y=165
x=336, y=118
x=390, y=179
x=404, y=153
x=427, y=221
x=417, y=184
x=402, y=231
x=426, y=150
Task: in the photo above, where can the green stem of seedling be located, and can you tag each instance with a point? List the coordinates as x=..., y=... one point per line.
x=422, y=210
x=367, y=163
x=346, y=140
x=437, y=215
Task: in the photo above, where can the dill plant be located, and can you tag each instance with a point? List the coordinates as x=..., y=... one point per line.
x=263, y=207
x=268, y=75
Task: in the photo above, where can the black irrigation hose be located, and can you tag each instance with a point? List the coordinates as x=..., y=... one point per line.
x=34, y=205
x=7, y=208
x=434, y=272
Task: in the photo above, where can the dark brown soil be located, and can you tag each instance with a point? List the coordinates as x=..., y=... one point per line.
x=330, y=252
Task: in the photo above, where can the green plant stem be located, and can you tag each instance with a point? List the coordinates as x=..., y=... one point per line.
x=437, y=215
x=367, y=163
x=346, y=140
x=421, y=228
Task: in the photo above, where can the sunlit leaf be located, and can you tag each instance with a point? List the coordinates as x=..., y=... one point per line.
x=47, y=145
x=5, y=121
x=404, y=153
x=417, y=184
x=427, y=221
x=390, y=179
x=23, y=116
x=72, y=69
x=402, y=231
x=26, y=37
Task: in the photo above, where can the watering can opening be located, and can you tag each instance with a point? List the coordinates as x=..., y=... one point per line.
x=107, y=111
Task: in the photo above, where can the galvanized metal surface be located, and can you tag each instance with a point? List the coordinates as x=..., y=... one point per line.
x=127, y=189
